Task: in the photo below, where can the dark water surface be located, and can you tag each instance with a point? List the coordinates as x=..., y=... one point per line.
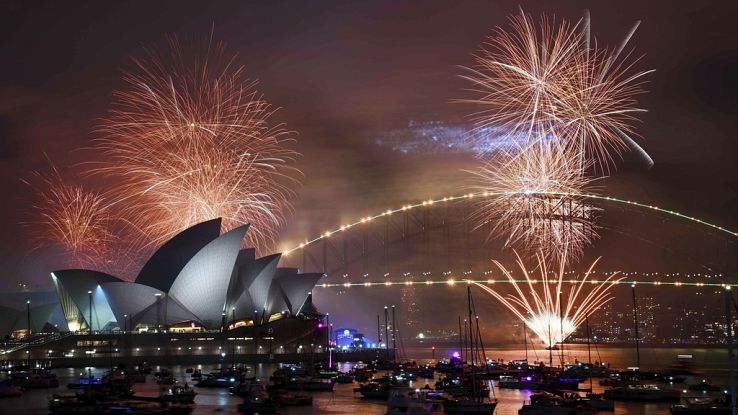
x=343, y=400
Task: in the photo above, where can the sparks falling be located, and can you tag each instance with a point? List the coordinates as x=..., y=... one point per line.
x=553, y=80
x=534, y=211
x=570, y=106
x=549, y=312
x=71, y=218
x=190, y=140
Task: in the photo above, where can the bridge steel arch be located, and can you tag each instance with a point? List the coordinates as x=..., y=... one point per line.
x=335, y=251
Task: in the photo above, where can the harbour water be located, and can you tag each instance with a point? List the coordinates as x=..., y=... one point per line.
x=343, y=400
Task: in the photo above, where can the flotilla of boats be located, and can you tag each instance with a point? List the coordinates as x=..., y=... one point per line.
x=113, y=393
x=556, y=391
x=451, y=387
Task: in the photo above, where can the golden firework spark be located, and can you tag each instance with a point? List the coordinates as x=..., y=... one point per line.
x=190, y=140
x=517, y=73
x=551, y=80
x=542, y=304
x=69, y=217
x=536, y=210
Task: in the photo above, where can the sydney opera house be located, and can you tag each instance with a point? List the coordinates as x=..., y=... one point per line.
x=198, y=283
x=199, y=279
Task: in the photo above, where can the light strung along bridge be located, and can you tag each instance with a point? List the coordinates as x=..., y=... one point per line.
x=436, y=242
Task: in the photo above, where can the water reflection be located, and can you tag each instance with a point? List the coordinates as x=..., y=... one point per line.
x=344, y=401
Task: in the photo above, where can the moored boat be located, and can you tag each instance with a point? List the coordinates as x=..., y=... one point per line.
x=212, y=381
x=80, y=404
x=309, y=385
x=704, y=386
x=598, y=402
x=512, y=382
x=285, y=398
x=180, y=395
x=406, y=400
x=549, y=404
x=468, y=407
x=343, y=378
x=703, y=406
x=257, y=404
x=34, y=379
x=643, y=393
x=374, y=390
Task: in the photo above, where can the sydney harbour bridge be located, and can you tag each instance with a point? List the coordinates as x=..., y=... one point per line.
x=414, y=254
x=438, y=237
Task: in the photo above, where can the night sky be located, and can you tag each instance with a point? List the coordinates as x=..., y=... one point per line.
x=343, y=72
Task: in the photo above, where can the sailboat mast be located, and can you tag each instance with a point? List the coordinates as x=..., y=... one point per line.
x=550, y=344
x=379, y=333
x=635, y=324
x=561, y=328
x=461, y=342
x=466, y=341
x=525, y=342
x=471, y=341
x=483, y=357
x=386, y=333
x=589, y=354
x=394, y=335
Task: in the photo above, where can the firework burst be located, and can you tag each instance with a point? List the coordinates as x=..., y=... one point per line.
x=569, y=105
x=534, y=207
x=550, y=311
x=70, y=217
x=190, y=140
x=517, y=74
x=551, y=80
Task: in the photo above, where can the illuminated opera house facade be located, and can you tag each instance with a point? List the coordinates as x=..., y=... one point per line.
x=199, y=280
x=197, y=291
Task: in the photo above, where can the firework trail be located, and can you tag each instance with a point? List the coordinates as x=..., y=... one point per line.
x=553, y=81
x=70, y=217
x=516, y=74
x=534, y=210
x=549, y=311
x=189, y=140
x=570, y=106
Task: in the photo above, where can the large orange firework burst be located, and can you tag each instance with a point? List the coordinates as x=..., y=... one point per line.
x=189, y=140
x=569, y=105
x=543, y=303
x=534, y=208
x=517, y=73
x=71, y=218
x=551, y=80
